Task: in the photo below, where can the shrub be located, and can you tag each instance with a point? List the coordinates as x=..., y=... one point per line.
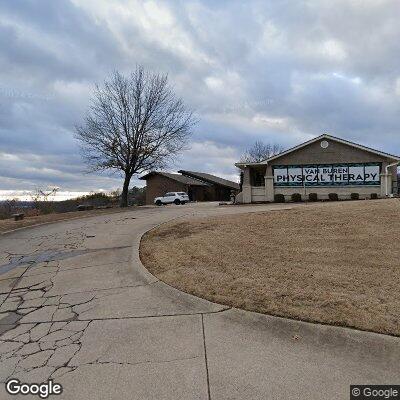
x=279, y=198
x=374, y=196
x=354, y=196
x=8, y=208
x=296, y=197
x=313, y=197
x=333, y=196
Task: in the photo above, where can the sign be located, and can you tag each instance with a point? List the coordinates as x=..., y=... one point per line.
x=327, y=174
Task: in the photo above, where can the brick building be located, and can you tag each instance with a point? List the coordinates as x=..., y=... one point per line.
x=198, y=185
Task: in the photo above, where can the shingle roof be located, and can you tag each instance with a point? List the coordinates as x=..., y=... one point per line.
x=210, y=178
x=176, y=177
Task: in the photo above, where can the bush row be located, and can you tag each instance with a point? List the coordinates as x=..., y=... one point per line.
x=296, y=197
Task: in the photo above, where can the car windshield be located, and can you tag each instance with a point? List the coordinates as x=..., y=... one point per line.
x=169, y=194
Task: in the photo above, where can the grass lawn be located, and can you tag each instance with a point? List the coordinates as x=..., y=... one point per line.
x=335, y=263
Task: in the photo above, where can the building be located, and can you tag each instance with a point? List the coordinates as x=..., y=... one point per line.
x=199, y=186
x=323, y=165
x=159, y=183
x=219, y=189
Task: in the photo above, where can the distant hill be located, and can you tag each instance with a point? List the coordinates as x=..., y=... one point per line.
x=18, y=203
x=29, y=208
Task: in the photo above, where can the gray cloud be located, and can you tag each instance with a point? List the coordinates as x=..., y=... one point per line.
x=279, y=71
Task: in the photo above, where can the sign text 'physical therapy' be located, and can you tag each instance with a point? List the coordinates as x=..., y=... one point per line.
x=327, y=175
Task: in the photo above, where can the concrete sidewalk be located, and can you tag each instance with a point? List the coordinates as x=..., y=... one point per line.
x=78, y=306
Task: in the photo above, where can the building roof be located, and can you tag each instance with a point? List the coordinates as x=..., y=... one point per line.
x=324, y=136
x=216, y=180
x=176, y=177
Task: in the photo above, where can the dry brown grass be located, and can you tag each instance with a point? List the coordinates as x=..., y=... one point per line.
x=10, y=224
x=335, y=263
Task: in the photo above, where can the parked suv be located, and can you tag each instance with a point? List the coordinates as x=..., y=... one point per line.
x=172, y=197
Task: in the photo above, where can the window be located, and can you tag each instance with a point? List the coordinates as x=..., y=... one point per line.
x=327, y=174
x=257, y=178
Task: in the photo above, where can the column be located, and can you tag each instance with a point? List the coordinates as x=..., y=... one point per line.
x=386, y=184
x=269, y=188
x=246, y=187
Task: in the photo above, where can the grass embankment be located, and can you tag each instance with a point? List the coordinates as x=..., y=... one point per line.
x=10, y=224
x=335, y=263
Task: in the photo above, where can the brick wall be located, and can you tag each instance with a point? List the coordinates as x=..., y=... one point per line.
x=158, y=185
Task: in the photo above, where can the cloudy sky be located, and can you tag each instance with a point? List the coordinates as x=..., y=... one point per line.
x=281, y=71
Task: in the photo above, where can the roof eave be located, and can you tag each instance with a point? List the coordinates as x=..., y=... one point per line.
x=144, y=177
x=326, y=136
x=193, y=175
x=364, y=148
x=244, y=165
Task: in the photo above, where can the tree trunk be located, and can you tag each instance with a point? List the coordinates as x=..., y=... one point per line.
x=124, y=195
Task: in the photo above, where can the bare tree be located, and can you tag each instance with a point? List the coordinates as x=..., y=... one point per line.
x=43, y=194
x=43, y=199
x=260, y=151
x=134, y=124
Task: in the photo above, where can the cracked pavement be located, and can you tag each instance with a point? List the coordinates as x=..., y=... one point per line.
x=78, y=306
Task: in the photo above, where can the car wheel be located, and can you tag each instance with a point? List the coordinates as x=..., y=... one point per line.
x=158, y=203
x=177, y=202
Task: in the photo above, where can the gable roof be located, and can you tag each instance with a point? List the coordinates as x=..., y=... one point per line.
x=210, y=179
x=324, y=136
x=176, y=177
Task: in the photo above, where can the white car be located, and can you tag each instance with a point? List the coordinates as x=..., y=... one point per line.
x=172, y=197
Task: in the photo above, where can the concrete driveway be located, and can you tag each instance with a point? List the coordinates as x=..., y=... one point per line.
x=78, y=306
